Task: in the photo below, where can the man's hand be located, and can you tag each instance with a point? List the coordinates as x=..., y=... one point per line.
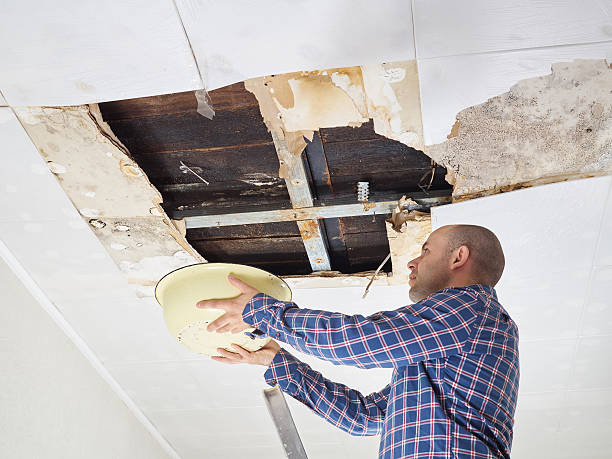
x=263, y=356
x=231, y=321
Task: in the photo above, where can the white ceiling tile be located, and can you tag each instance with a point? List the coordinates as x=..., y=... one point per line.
x=160, y=385
x=451, y=84
x=447, y=27
x=535, y=229
x=124, y=331
x=604, y=252
x=65, y=259
x=2, y=100
x=230, y=386
x=592, y=368
x=584, y=423
x=597, y=318
x=539, y=312
x=327, y=451
x=361, y=447
x=545, y=365
x=235, y=450
x=28, y=189
x=188, y=430
x=537, y=425
x=93, y=54
x=237, y=40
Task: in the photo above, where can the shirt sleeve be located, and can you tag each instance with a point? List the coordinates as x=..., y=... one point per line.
x=339, y=405
x=436, y=327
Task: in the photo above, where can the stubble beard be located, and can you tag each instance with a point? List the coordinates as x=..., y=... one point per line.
x=425, y=286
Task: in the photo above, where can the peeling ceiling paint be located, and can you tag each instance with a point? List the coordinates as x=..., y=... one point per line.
x=110, y=192
x=556, y=126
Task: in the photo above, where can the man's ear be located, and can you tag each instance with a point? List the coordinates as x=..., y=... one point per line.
x=460, y=257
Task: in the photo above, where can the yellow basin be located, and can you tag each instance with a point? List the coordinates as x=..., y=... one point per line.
x=179, y=291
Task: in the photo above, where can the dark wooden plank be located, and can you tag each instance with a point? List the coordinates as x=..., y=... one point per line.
x=230, y=97
x=260, y=250
x=153, y=106
x=191, y=131
x=284, y=268
x=381, y=184
x=343, y=134
x=260, y=230
x=254, y=165
x=224, y=204
x=367, y=250
x=364, y=224
x=369, y=157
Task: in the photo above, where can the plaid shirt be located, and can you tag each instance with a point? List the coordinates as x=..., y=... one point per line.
x=455, y=380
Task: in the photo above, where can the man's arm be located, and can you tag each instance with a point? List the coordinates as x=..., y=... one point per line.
x=339, y=405
x=436, y=327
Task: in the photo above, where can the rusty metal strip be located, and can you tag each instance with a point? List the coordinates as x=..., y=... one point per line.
x=301, y=197
x=307, y=213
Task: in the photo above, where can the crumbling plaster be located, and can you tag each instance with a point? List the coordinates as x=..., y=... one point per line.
x=544, y=129
x=110, y=191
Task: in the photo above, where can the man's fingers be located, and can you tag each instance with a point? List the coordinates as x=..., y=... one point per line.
x=240, y=350
x=225, y=328
x=228, y=354
x=210, y=304
x=216, y=358
x=242, y=286
x=218, y=323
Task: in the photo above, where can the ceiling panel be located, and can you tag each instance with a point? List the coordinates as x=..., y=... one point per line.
x=544, y=365
x=447, y=27
x=71, y=52
x=592, y=367
x=535, y=228
x=2, y=100
x=65, y=258
x=556, y=315
x=124, y=331
x=597, y=319
x=604, y=253
x=451, y=84
x=21, y=201
x=285, y=36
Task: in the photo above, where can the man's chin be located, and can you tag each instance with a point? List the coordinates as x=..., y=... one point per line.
x=415, y=294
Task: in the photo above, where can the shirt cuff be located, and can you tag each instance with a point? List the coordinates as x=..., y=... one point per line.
x=280, y=369
x=259, y=313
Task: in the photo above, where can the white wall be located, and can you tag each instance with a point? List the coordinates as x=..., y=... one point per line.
x=53, y=403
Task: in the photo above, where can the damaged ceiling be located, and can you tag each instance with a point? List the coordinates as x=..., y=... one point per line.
x=230, y=165
x=497, y=101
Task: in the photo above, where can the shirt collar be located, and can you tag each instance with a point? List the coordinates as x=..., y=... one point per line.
x=484, y=288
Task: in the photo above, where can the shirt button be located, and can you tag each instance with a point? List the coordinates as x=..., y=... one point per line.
x=277, y=335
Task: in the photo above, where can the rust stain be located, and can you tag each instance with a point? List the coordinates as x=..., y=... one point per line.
x=309, y=229
x=368, y=205
x=454, y=130
x=528, y=184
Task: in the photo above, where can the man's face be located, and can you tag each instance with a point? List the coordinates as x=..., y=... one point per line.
x=430, y=272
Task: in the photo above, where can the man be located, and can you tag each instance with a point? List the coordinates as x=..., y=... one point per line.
x=454, y=353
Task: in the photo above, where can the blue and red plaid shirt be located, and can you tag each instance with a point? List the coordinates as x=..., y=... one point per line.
x=455, y=380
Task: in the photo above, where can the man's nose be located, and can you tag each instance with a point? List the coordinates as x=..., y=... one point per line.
x=412, y=264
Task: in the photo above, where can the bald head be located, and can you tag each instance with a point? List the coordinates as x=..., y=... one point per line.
x=488, y=259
